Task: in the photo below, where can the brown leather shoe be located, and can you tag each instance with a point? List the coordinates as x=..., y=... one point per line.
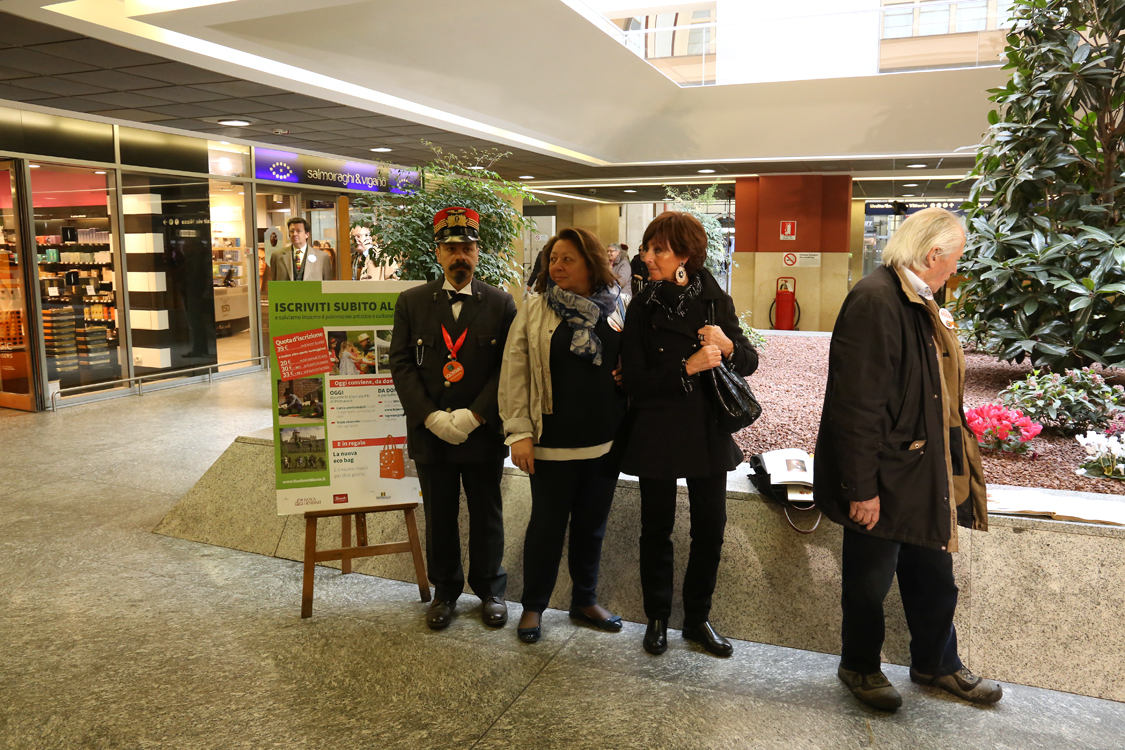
x=440, y=614
x=494, y=611
x=964, y=684
x=873, y=689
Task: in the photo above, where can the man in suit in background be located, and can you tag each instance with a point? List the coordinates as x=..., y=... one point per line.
x=298, y=261
x=445, y=355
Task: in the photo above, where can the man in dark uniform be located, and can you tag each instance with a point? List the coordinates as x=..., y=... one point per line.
x=445, y=354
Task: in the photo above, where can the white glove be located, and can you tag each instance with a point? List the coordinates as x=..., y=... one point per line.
x=441, y=424
x=464, y=420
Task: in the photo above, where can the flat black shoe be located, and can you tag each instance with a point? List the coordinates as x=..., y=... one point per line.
x=656, y=637
x=705, y=634
x=440, y=614
x=611, y=623
x=529, y=635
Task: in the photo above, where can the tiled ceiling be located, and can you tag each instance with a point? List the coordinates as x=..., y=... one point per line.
x=51, y=67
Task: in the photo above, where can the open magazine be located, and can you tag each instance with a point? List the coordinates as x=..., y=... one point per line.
x=789, y=466
x=786, y=477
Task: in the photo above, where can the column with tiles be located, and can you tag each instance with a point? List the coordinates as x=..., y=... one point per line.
x=171, y=292
x=147, y=281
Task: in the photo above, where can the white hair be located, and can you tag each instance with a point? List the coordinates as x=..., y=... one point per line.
x=928, y=229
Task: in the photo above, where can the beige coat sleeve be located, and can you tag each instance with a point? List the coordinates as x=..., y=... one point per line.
x=514, y=396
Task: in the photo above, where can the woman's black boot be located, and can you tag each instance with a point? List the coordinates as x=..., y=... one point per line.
x=656, y=637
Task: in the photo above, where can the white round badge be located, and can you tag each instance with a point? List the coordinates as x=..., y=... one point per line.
x=946, y=318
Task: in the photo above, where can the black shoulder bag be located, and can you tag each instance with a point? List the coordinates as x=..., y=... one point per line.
x=779, y=494
x=735, y=405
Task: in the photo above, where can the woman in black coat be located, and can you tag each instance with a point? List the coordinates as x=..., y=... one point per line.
x=668, y=345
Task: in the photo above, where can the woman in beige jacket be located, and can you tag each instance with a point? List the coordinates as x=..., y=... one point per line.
x=561, y=407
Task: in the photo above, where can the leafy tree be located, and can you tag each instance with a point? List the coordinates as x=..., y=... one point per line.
x=1045, y=256
x=695, y=202
x=402, y=224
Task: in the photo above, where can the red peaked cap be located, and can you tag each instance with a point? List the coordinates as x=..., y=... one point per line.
x=456, y=224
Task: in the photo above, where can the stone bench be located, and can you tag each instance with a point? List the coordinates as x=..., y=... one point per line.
x=1042, y=602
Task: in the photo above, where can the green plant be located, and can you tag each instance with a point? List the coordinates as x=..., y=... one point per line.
x=757, y=338
x=402, y=223
x=1046, y=243
x=1070, y=403
x=695, y=202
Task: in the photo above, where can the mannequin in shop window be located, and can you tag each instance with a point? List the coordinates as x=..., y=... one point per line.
x=299, y=261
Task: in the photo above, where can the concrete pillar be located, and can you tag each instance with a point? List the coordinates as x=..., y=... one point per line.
x=855, y=246
x=601, y=219
x=815, y=253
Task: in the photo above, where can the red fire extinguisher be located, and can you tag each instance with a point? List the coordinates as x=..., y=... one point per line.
x=786, y=305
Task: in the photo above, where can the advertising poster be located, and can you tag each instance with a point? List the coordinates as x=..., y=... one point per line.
x=339, y=428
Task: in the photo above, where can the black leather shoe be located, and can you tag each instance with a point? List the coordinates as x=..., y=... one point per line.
x=656, y=637
x=440, y=614
x=704, y=634
x=611, y=623
x=494, y=611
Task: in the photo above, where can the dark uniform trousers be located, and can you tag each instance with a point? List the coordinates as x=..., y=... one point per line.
x=929, y=598
x=707, y=499
x=441, y=492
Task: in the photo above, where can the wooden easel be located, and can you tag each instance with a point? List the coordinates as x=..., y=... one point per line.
x=362, y=549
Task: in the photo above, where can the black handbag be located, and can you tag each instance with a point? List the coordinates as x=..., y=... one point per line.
x=735, y=405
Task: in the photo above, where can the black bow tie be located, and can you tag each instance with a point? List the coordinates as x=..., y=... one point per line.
x=457, y=296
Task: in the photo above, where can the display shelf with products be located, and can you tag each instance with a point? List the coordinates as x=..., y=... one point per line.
x=78, y=272
x=230, y=270
x=16, y=371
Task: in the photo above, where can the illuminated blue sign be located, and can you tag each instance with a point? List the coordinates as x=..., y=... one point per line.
x=301, y=169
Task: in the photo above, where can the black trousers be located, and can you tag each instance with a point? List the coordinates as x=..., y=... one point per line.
x=707, y=499
x=441, y=496
x=578, y=492
x=929, y=598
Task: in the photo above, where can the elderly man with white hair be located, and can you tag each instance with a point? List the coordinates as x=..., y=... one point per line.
x=897, y=465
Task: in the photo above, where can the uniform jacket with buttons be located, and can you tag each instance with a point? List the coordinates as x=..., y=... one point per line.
x=895, y=376
x=671, y=428
x=419, y=315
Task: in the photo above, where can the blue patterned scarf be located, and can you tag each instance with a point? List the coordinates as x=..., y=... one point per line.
x=582, y=314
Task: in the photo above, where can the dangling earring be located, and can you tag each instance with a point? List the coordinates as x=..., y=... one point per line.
x=681, y=274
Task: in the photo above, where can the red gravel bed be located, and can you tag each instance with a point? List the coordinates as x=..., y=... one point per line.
x=790, y=385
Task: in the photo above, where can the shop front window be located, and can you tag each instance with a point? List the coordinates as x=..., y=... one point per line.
x=232, y=274
x=272, y=214
x=170, y=279
x=15, y=357
x=79, y=275
x=320, y=211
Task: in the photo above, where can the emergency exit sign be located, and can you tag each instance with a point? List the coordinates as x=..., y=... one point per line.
x=788, y=230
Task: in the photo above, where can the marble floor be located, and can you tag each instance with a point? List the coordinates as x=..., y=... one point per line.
x=114, y=637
